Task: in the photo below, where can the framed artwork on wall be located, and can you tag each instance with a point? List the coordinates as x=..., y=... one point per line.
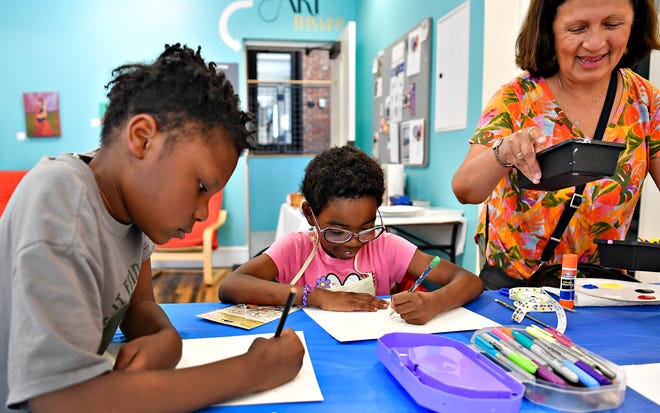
x=42, y=114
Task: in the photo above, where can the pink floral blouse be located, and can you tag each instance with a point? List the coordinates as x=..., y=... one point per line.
x=521, y=221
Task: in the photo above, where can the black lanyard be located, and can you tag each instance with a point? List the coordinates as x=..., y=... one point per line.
x=574, y=203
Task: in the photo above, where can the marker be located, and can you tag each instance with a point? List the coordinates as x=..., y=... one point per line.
x=512, y=355
x=586, y=358
x=435, y=261
x=570, y=356
x=547, y=374
x=527, y=315
x=556, y=365
x=505, y=334
x=583, y=376
x=559, y=336
x=285, y=312
x=498, y=357
x=544, y=334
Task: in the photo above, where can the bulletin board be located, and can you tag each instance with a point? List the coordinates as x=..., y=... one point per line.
x=402, y=83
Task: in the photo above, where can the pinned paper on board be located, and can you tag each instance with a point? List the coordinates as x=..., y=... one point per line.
x=397, y=82
x=412, y=142
x=404, y=94
x=414, y=59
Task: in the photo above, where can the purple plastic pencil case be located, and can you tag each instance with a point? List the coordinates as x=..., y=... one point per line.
x=446, y=375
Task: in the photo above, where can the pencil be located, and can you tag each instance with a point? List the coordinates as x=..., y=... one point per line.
x=510, y=307
x=285, y=312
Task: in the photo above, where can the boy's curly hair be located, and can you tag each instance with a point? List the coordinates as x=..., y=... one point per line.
x=179, y=87
x=342, y=172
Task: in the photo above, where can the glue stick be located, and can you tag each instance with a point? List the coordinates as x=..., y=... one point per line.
x=567, y=282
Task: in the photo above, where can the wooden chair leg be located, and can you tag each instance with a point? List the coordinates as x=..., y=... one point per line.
x=208, y=267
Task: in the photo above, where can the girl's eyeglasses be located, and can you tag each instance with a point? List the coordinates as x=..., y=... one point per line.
x=341, y=236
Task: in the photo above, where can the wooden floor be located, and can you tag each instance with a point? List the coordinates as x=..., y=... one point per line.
x=185, y=286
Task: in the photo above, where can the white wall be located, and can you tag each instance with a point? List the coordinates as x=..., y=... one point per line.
x=502, y=20
x=649, y=221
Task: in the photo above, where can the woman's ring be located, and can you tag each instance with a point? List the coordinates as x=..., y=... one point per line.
x=520, y=155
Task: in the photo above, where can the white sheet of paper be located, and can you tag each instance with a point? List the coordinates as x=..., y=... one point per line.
x=414, y=60
x=197, y=351
x=644, y=379
x=393, y=142
x=362, y=325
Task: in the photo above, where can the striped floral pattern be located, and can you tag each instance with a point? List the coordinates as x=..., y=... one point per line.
x=521, y=221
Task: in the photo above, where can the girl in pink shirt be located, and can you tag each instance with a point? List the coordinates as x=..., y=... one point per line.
x=347, y=258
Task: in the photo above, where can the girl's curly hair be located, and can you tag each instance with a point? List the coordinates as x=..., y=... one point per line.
x=342, y=172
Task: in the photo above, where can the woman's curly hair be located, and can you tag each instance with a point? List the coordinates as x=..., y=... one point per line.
x=342, y=172
x=177, y=89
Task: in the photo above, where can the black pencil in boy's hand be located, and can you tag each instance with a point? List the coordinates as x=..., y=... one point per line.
x=285, y=312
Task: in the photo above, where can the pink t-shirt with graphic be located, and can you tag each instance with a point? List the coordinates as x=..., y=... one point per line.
x=387, y=257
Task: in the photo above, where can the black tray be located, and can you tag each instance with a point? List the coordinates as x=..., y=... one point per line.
x=574, y=162
x=630, y=255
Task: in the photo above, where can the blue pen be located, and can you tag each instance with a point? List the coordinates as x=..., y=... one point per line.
x=436, y=260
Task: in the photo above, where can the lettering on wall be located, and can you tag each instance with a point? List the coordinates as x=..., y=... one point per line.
x=306, y=16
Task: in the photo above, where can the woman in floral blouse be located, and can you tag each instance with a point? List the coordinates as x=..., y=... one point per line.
x=568, y=52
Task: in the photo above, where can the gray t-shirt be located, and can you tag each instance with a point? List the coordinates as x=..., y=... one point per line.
x=67, y=274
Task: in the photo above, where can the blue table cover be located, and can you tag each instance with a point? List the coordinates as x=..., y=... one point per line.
x=352, y=379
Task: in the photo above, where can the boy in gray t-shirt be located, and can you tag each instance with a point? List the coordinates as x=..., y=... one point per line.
x=75, y=242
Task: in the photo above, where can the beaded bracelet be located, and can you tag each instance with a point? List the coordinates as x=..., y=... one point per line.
x=308, y=289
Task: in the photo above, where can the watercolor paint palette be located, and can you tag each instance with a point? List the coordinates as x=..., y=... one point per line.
x=618, y=290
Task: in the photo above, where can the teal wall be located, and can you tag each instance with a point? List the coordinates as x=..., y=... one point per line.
x=271, y=180
x=71, y=47
x=381, y=22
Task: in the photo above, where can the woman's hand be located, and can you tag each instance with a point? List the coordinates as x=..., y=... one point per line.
x=519, y=149
x=345, y=301
x=480, y=171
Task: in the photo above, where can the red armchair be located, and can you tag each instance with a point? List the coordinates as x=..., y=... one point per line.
x=199, y=244
x=8, y=182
